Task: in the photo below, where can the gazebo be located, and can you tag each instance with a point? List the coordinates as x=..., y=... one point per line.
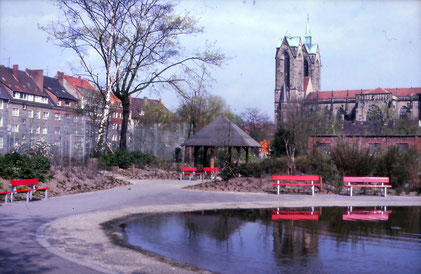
x=221, y=132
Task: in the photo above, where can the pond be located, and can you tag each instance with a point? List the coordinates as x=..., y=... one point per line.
x=299, y=240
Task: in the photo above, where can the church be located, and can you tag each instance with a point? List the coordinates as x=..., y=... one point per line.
x=298, y=77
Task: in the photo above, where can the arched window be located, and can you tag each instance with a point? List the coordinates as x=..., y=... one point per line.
x=374, y=113
x=286, y=70
x=305, y=68
x=403, y=113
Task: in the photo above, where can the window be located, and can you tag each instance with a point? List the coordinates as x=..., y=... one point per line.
x=23, y=121
x=403, y=146
x=57, y=116
x=305, y=68
x=44, y=130
x=114, y=139
x=1, y=104
x=37, y=114
x=23, y=137
x=67, y=103
x=286, y=70
x=326, y=148
x=58, y=103
x=403, y=113
x=15, y=112
x=15, y=128
x=374, y=148
x=30, y=113
x=76, y=119
x=57, y=130
x=1, y=121
x=1, y=142
x=16, y=95
x=115, y=126
x=45, y=115
x=40, y=99
x=30, y=97
x=38, y=130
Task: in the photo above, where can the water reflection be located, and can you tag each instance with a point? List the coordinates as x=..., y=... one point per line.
x=286, y=239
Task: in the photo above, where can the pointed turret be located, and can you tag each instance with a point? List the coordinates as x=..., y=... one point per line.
x=307, y=36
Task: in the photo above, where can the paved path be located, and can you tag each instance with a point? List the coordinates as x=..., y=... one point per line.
x=63, y=234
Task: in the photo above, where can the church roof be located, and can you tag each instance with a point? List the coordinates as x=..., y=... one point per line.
x=312, y=49
x=342, y=94
x=221, y=132
x=293, y=41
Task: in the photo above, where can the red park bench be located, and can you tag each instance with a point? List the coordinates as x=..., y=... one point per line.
x=26, y=182
x=374, y=182
x=211, y=171
x=6, y=193
x=297, y=178
x=189, y=171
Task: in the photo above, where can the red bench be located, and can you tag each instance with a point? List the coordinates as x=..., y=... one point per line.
x=189, y=171
x=6, y=197
x=374, y=182
x=211, y=171
x=297, y=178
x=26, y=182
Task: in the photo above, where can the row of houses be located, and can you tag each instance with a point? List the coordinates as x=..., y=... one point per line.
x=62, y=111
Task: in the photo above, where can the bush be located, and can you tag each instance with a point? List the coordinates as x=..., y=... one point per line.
x=353, y=160
x=22, y=166
x=125, y=159
x=400, y=166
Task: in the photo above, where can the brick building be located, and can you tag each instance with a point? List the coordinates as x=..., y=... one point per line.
x=375, y=142
x=298, y=77
x=63, y=111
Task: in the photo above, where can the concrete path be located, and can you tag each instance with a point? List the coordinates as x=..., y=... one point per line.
x=63, y=234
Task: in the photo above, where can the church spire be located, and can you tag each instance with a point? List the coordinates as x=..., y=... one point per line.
x=307, y=36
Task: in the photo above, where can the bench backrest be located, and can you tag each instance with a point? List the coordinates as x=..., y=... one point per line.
x=295, y=177
x=24, y=182
x=211, y=169
x=188, y=169
x=366, y=180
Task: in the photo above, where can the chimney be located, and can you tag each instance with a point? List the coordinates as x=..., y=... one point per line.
x=80, y=79
x=160, y=100
x=60, y=77
x=145, y=100
x=15, y=71
x=38, y=76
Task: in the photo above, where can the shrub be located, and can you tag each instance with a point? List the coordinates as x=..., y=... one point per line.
x=401, y=167
x=22, y=166
x=353, y=160
x=125, y=159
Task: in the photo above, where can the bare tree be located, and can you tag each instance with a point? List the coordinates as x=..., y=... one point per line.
x=137, y=42
x=197, y=106
x=257, y=124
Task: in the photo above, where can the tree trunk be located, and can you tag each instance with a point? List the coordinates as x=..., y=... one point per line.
x=126, y=115
x=101, y=139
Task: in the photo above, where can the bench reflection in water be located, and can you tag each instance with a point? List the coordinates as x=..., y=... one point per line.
x=298, y=215
x=381, y=214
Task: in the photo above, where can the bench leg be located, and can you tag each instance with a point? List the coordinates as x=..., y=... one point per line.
x=312, y=190
x=27, y=196
x=46, y=194
x=5, y=199
x=385, y=191
x=181, y=176
x=279, y=188
x=350, y=191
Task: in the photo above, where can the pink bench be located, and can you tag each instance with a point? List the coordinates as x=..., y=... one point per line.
x=313, y=179
x=26, y=182
x=211, y=171
x=374, y=182
x=189, y=171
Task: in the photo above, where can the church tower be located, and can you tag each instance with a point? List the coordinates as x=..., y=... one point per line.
x=297, y=70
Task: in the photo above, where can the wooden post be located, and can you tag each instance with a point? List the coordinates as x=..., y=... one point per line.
x=212, y=158
x=247, y=154
x=205, y=156
x=203, y=181
x=133, y=169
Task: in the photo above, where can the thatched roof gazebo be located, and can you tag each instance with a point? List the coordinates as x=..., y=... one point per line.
x=221, y=132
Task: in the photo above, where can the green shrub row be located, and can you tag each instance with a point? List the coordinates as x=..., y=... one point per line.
x=125, y=159
x=23, y=166
x=402, y=167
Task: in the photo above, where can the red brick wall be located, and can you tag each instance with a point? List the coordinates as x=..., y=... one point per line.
x=384, y=141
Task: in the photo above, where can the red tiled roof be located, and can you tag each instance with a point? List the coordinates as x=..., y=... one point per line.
x=342, y=94
x=78, y=82
x=23, y=82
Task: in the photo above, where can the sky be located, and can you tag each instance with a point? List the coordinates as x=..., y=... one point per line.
x=363, y=44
